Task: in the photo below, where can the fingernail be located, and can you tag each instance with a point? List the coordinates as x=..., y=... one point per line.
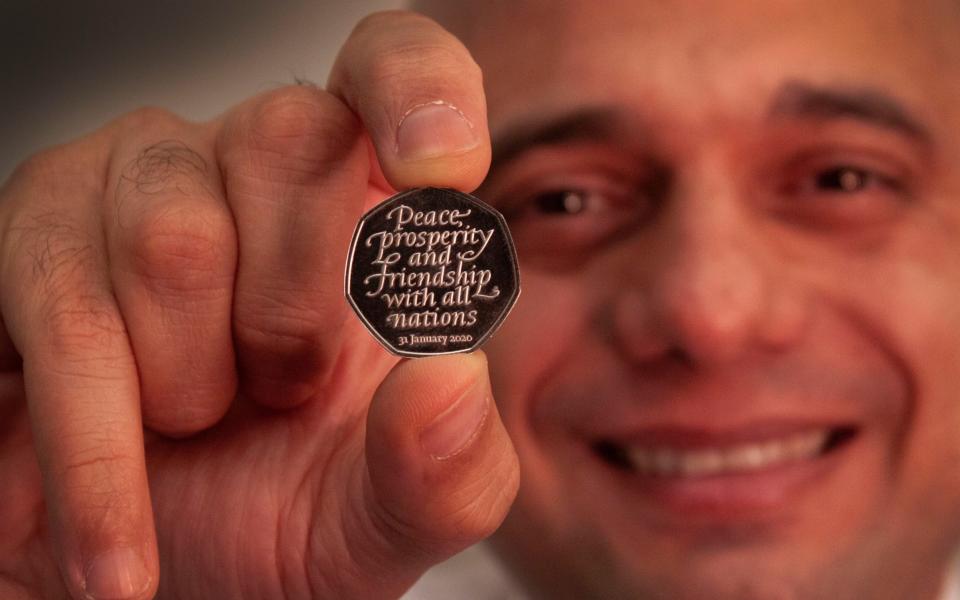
x=452, y=431
x=434, y=129
x=116, y=575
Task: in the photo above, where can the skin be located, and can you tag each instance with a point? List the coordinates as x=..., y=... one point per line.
x=711, y=283
x=174, y=316
x=176, y=385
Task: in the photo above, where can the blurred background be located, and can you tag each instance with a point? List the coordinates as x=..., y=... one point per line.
x=68, y=67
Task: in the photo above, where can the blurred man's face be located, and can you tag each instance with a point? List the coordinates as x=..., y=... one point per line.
x=732, y=372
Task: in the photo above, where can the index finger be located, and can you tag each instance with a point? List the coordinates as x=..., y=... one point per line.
x=80, y=375
x=420, y=96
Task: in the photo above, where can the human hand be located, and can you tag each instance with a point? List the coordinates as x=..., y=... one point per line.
x=185, y=401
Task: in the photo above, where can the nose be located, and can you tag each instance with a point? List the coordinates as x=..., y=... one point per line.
x=705, y=283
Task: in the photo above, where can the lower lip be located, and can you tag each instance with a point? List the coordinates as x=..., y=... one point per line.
x=749, y=495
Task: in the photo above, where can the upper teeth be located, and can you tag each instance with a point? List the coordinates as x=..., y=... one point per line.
x=731, y=459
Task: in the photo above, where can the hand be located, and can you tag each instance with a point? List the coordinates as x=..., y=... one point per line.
x=186, y=407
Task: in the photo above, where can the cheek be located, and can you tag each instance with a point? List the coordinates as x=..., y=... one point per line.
x=907, y=292
x=548, y=319
x=922, y=308
x=913, y=293
x=545, y=327
x=923, y=312
x=549, y=323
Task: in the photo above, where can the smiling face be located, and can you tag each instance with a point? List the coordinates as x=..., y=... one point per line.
x=732, y=370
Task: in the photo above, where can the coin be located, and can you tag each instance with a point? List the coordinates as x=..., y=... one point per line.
x=432, y=271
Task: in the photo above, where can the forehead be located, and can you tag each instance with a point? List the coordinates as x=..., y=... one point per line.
x=706, y=56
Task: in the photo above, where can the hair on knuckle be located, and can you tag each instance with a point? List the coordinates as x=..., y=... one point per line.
x=64, y=287
x=168, y=166
x=51, y=251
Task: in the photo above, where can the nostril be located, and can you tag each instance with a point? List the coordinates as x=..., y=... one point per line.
x=710, y=296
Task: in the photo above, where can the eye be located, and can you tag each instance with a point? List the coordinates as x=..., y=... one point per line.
x=566, y=206
x=566, y=203
x=574, y=203
x=561, y=202
x=567, y=222
x=849, y=180
x=843, y=179
x=832, y=192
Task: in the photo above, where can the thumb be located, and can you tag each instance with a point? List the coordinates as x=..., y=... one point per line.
x=442, y=470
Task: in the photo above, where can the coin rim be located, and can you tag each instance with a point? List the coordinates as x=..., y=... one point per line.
x=514, y=265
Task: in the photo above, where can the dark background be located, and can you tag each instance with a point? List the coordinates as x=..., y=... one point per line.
x=68, y=67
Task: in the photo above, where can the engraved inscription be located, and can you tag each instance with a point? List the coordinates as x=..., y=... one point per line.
x=432, y=272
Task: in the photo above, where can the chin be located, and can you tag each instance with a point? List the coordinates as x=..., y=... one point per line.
x=781, y=509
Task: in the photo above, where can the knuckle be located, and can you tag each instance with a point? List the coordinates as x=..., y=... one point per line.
x=38, y=167
x=41, y=240
x=149, y=119
x=440, y=56
x=99, y=475
x=82, y=328
x=165, y=168
x=283, y=328
x=474, y=523
x=373, y=25
x=98, y=456
x=183, y=415
x=469, y=510
x=424, y=53
x=476, y=512
x=184, y=246
x=406, y=59
x=301, y=129
x=276, y=336
x=375, y=20
x=56, y=173
x=49, y=253
x=286, y=341
x=426, y=66
x=84, y=340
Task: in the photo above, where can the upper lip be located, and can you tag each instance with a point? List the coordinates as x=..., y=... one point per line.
x=740, y=404
x=699, y=436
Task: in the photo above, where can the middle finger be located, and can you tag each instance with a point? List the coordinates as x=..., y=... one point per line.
x=172, y=248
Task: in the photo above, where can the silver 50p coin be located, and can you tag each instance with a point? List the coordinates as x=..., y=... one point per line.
x=432, y=271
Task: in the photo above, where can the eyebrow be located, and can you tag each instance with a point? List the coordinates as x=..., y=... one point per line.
x=804, y=101
x=583, y=124
x=795, y=99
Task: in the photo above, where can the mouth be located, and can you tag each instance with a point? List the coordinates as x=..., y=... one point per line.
x=744, y=474
x=717, y=459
